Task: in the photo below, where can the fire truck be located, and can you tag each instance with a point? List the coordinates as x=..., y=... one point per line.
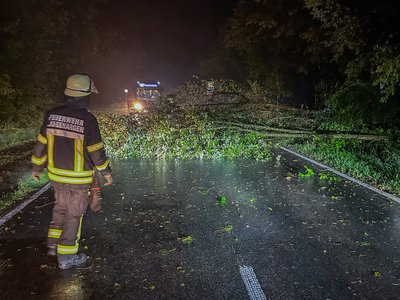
x=144, y=95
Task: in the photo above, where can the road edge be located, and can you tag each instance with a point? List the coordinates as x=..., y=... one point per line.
x=6, y=217
x=363, y=184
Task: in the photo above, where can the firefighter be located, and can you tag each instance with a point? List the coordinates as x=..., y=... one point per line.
x=69, y=145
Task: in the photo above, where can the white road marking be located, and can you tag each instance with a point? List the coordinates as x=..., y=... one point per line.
x=20, y=207
x=370, y=187
x=251, y=282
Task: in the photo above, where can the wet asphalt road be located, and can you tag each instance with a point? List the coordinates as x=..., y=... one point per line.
x=164, y=234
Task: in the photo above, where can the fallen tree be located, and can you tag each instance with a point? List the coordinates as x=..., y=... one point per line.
x=294, y=133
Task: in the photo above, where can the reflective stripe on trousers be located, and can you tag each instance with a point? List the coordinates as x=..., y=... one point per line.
x=65, y=227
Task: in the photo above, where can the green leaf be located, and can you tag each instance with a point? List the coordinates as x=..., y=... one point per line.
x=186, y=239
x=222, y=200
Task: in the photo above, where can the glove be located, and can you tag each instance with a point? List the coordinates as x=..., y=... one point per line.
x=95, y=196
x=108, y=178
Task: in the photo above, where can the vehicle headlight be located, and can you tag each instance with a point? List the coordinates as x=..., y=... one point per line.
x=138, y=106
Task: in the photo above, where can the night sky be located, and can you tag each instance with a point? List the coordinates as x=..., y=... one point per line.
x=161, y=40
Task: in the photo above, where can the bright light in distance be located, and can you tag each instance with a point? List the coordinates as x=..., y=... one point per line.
x=147, y=85
x=138, y=106
x=126, y=91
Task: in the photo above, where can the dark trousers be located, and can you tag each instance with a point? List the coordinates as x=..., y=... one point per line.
x=65, y=227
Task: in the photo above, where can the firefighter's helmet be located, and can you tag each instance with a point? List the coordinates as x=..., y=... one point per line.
x=79, y=85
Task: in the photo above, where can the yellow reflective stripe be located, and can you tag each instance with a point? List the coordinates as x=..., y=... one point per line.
x=62, y=179
x=95, y=147
x=63, y=172
x=103, y=166
x=42, y=139
x=50, y=148
x=82, y=155
x=61, y=249
x=79, y=158
x=78, y=236
x=54, y=233
x=76, y=158
x=39, y=160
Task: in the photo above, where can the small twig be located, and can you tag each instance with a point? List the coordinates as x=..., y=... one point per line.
x=5, y=263
x=41, y=206
x=211, y=188
x=84, y=268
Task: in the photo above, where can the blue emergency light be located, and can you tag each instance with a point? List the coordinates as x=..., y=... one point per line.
x=148, y=85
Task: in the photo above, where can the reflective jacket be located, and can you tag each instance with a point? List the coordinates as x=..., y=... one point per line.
x=70, y=146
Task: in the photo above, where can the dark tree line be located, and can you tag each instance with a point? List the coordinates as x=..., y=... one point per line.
x=41, y=43
x=338, y=54
x=341, y=54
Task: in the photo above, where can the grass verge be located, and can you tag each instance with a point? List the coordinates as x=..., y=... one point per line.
x=16, y=136
x=374, y=162
x=25, y=187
